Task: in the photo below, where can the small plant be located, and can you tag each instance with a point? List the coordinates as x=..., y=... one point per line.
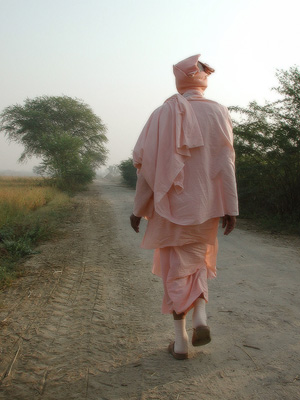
x=18, y=248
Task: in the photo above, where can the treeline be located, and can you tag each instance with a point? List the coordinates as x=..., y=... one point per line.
x=267, y=144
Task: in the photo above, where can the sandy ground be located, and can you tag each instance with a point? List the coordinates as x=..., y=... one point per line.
x=84, y=321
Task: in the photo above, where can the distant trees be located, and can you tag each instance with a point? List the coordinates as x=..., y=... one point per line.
x=113, y=171
x=267, y=144
x=64, y=132
x=128, y=172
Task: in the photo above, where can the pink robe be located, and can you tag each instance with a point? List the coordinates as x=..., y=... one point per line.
x=186, y=181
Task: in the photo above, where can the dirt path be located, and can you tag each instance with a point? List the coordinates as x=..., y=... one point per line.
x=85, y=321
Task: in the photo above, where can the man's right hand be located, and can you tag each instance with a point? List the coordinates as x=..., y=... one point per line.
x=135, y=222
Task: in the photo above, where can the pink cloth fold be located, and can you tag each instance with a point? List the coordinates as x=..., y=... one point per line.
x=196, y=247
x=184, y=271
x=163, y=146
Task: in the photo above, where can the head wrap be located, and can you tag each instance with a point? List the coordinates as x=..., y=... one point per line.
x=187, y=74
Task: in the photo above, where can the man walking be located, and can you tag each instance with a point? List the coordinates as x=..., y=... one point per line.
x=186, y=182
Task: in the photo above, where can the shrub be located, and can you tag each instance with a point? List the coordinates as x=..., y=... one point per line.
x=128, y=172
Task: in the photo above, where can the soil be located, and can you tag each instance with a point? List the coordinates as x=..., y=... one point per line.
x=84, y=320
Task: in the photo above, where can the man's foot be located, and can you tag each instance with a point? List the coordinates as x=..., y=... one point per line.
x=181, y=345
x=177, y=356
x=201, y=336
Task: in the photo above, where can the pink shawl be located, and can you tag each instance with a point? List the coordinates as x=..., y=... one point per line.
x=163, y=146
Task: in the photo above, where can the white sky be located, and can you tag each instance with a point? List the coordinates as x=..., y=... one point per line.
x=117, y=55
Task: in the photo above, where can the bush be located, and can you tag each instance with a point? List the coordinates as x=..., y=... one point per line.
x=128, y=172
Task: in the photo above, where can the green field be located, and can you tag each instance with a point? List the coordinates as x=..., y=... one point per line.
x=30, y=211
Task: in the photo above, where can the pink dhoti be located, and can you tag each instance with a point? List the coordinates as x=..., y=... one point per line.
x=185, y=257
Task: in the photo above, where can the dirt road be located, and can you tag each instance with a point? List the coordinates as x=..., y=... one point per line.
x=84, y=322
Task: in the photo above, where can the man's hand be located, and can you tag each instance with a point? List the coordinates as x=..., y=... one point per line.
x=135, y=222
x=228, y=223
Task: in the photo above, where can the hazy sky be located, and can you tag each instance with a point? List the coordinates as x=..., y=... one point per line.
x=117, y=55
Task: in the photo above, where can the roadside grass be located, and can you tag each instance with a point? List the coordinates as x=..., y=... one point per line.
x=288, y=225
x=274, y=224
x=30, y=211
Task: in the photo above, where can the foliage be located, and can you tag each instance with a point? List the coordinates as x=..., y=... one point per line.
x=64, y=132
x=128, y=172
x=267, y=144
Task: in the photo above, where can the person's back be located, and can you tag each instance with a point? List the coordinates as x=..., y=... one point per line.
x=209, y=173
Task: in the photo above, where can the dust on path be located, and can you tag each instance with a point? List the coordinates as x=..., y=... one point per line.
x=84, y=322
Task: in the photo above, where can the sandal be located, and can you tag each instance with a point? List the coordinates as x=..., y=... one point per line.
x=178, y=356
x=201, y=336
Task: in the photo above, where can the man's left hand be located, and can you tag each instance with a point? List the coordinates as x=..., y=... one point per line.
x=135, y=222
x=229, y=222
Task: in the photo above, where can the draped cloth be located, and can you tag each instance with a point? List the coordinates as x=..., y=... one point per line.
x=185, y=268
x=162, y=148
x=186, y=181
x=184, y=274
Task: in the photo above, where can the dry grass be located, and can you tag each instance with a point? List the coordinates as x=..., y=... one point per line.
x=30, y=211
x=20, y=196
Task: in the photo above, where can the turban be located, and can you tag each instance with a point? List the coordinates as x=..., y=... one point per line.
x=187, y=74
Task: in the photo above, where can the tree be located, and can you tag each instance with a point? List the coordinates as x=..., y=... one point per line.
x=128, y=172
x=64, y=132
x=267, y=143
